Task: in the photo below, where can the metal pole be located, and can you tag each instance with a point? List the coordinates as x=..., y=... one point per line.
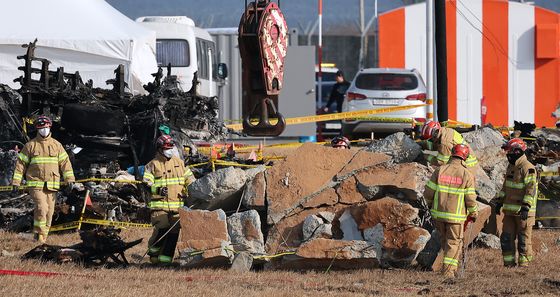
x=376, y=46
x=362, y=34
x=320, y=53
x=441, y=60
x=430, y=58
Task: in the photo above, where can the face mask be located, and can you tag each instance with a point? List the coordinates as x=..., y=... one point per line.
x=45, y=132
x=168, y=153
x=512, y=158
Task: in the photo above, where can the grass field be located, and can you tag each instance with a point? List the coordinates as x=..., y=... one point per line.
x=484, y=276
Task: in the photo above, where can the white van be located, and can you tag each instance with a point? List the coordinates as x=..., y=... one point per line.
x=188, y=49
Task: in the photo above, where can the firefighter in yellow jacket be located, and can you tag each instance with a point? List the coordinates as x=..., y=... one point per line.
x=442, y=140
x=451, y=195
x=518, y=200
x=43, y=161
x=168, y=178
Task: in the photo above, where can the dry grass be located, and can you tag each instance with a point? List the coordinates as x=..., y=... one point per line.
x=484, y=277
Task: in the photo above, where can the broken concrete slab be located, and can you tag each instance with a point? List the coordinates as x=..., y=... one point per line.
x=242, y=262
x=399, y=146
x=406, y=180
x=349, y=226
x=309, y=170
x=288, y=233
x=314, y=226
x=402, y=237
x=244, y=229
x=254, y=193
x=219, y=189
x=483, y=138
x=337, y=254
x=204, y=238
x=348, y=192
x=362, y=160
x=327, y=197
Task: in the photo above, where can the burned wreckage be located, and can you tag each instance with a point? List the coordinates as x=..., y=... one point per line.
x=110, y=129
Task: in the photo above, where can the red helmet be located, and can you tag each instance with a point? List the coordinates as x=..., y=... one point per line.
x=165, y=142
x=43, y=122
x=513, y=144
x=340, y=141
x=461, y=151
x=429, y=128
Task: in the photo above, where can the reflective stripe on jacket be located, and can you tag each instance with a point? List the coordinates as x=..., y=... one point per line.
x=171, y=174
x=520, y=187
x=451, y=193
x=43, y=162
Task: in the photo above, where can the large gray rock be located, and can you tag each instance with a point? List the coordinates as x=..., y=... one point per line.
x=242, y=262
x=254, y=193
x=482, y=138
x=399, y=146
x=315, y=226
x=219, y=189
x=489, y=241
x=244, y=229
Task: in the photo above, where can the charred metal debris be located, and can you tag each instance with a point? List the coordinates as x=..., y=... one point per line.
x=111, y=129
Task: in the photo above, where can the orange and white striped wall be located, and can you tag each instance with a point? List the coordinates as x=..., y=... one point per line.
x=505, y=52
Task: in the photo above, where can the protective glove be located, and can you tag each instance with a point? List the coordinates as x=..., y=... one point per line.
x=498, y=208
x=524, y=212
x=472, y=217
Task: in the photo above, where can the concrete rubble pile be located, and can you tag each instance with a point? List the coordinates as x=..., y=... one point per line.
x=323, y=208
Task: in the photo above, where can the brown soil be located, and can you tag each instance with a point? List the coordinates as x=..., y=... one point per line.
x=484, y=276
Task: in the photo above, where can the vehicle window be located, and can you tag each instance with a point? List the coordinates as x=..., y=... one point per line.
x=202, y=57
x=386, y=81
x=212, y=47
x=327, y=76
x=174, y=51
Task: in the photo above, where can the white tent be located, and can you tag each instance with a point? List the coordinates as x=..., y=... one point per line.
x=89, y=36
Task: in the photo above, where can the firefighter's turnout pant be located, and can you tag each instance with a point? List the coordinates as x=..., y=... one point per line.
x=451, y=238
x=162, y=250
x=44, y=200
x=516, y=229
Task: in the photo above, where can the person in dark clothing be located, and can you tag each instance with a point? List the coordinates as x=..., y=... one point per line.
x=337, y=92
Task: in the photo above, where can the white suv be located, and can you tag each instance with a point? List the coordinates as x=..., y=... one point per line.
x=375, y=88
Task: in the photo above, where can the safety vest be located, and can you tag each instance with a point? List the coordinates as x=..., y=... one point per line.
x=171, y=174
x=520, y=187
x=42, y=160
x=451, y=193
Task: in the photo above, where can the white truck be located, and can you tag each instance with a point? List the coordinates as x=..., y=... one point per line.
x=188, y=49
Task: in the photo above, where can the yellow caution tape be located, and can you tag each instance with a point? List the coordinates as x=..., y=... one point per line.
x=274, y=256
x=65, y=226
x=75, y=224
x=385, y=119
x=551, y=173
x=546, y=218
x=337, y=116
x=115, y=223
x=234, y=164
